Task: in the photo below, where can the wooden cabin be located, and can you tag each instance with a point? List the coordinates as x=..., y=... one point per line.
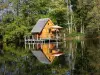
x=43, y=29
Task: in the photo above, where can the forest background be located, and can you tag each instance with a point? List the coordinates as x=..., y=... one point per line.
x=77, y=17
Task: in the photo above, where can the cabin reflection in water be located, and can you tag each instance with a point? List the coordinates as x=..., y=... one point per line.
x=46, y=53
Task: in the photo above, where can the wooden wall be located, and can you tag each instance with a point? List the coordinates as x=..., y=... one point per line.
x=46, y=32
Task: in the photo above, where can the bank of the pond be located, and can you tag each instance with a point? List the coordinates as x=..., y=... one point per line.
x=75, y=36
x=80, y=37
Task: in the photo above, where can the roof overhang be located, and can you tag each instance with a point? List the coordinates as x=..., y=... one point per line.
x=35, y=33
x=56, y=27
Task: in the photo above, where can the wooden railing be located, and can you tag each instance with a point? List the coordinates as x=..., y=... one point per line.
x=30, y=41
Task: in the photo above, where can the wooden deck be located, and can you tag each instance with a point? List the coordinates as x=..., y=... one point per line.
x=41, y=40
x=32, y=42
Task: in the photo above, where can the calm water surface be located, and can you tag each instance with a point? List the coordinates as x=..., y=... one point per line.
x=78, y=58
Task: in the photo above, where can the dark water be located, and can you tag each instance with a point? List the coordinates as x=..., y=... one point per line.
x=79, y=58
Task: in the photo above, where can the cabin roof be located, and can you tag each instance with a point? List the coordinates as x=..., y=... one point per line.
x=41, y=57
x=39, y=25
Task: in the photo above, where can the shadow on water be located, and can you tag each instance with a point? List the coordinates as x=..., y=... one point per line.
x=77, y=58
x=46, y=52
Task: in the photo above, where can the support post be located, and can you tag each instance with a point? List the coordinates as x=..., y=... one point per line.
x=29, y=41
x=25, y=41
x=56, y=39
x=57, y=44
x=37, y=45
x=33, y=41
x=49, y=41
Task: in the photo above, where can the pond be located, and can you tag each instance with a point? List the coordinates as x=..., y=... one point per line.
x=63, y=58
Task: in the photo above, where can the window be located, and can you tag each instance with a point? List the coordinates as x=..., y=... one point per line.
x=49, y=30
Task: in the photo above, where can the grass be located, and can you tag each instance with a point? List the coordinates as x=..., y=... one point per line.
x=75, y=34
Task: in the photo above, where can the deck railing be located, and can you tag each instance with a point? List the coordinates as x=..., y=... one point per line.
x=31, y=40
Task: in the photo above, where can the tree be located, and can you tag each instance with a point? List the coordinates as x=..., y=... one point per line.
x=81, y=10
x=94, y=24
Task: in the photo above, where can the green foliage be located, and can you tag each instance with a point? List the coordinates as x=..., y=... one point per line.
x=15, y=31
x=15, y=26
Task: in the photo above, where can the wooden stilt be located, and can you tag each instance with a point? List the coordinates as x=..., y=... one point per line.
x=44, y=41
x=33, y=45
x=64, y=40
x=37, y=45
x=29, y=42
x=64, y=37
x=25, y=41
x=57, y=44
x=64, y=44
x=41, y=45
x=49, y=44
x=32, y=42
x=56, y=39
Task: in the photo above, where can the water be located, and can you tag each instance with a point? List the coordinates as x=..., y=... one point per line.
x=77, y=58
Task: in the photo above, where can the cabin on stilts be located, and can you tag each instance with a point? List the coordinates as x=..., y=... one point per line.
x=44, y=31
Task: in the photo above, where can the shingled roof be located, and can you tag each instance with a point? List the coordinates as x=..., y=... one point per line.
x=39, y=25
